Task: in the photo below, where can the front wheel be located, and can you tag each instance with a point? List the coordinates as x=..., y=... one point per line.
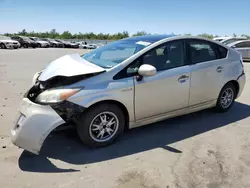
x=3, y=46
x=101, y=125
x=226, y=98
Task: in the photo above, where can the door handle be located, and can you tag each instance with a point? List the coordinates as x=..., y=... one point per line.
x=219, y=69
x=183, y=78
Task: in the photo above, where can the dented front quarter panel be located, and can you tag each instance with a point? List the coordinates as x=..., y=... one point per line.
x=121, y=91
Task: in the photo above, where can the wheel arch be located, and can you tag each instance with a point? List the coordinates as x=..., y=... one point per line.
x=119, y=104
x=236, y=85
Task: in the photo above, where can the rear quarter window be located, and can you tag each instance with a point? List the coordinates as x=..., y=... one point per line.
x=222, y=52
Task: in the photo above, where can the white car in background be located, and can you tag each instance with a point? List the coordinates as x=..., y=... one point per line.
x=243, y=47
x=40, y=42
x=219, y=39
x=232, y=39
x=7, y=42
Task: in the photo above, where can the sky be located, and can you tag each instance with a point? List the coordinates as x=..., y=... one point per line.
x=218, y=17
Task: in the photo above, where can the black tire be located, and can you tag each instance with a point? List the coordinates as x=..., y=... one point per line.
x=15, y=47
x=219, y=105
x=54, y=46
x=83, y=126
x=2, y=45
x=25, y=45
x=39, y=45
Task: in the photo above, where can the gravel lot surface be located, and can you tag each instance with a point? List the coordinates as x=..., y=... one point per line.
x=199, y=150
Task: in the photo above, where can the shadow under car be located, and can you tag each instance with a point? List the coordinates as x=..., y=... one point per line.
x=66, y=146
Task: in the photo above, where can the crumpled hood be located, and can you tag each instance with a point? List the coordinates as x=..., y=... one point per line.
x=69, y=65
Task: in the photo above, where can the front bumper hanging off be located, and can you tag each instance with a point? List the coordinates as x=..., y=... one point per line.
x=34, y=125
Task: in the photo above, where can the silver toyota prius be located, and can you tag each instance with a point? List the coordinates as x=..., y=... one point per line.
x=126, y=84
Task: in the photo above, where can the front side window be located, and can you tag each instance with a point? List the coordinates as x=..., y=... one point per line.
x=114, y=53
x=167, y=56
x=201, y=51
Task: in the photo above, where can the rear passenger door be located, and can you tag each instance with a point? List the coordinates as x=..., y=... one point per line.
x=207, y=62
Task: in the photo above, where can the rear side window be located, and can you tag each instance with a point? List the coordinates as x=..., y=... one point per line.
x=202, y=51
x=222, y=52
x=245, y=44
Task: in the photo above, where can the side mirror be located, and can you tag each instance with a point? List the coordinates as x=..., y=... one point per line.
x=147, y=70
x=232, y=46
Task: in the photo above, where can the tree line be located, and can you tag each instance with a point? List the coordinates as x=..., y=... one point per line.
x=90, y=35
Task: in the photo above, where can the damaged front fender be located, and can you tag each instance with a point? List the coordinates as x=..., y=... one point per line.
x=34, y=125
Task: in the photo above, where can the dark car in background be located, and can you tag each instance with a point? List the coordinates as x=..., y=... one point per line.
x=66, y=43
x=24, y=41
x=40, y=43
x=54, y=43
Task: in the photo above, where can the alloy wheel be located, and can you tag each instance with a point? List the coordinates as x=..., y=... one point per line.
x=227, y=97
x=103, y=126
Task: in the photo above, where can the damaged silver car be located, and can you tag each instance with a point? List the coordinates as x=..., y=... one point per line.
x=126, y=84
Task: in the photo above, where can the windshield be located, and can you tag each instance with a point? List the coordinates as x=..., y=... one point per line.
x=226, y=42
x=114, y=53
x=4, y=37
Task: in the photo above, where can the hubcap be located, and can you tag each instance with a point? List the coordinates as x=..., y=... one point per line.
x=104, y=126
x=227, y=97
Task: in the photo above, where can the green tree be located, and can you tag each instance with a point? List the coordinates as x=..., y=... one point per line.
x=140, y=33
x=23, y=32
x=205, y=35
x=66, y=35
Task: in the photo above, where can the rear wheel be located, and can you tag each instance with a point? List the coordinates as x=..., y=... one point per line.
x=54, y=45
x=39, y=45
x=101, y=125
x=226, y=98
x=25, y=45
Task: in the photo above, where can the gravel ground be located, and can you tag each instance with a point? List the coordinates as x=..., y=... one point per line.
x=199, y=150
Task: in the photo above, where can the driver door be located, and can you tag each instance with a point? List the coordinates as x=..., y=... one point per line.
x=168, y=90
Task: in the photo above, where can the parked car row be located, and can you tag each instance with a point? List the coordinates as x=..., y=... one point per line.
x=35, y=42
x=240, y=44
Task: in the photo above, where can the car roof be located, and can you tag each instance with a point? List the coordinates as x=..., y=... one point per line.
x=149, y=38
x=221, y=38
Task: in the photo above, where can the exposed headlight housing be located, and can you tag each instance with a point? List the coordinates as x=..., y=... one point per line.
x=53, y=96
x=35, y=77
